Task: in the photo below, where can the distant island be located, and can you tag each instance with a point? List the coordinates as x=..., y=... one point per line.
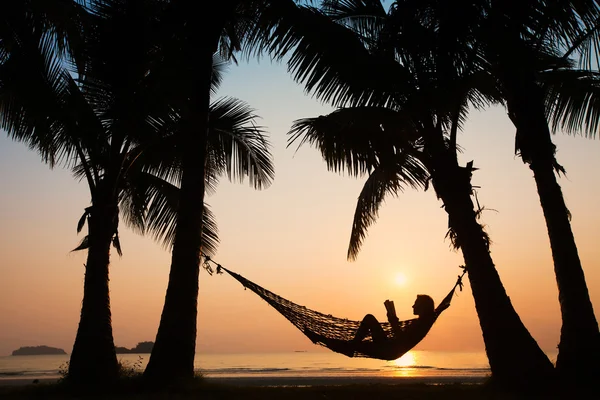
x=140, y=348
x=37, y=351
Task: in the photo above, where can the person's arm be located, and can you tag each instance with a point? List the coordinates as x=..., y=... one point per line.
x=391, y=314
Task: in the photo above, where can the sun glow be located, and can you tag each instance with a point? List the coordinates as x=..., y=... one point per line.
x=403, y=366
x=407, y=360
x=400, y=279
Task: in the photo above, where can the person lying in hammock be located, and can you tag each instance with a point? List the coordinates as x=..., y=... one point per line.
x=404, y=335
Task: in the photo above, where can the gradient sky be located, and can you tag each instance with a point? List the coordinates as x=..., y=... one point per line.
x=292, y=238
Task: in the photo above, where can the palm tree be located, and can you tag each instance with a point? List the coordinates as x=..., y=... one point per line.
x=190, y=51
x=69, y=121
x=193, y=38
x=37, y=33
x=390, y=91
x=521, y=45
x=517, y=36
x=43, y=105
x=526, y=46
x=107, y=126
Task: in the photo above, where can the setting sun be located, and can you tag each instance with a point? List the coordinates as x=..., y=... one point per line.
x=400, y=279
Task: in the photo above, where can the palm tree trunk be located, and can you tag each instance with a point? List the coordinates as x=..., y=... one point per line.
x=515, y=357
x=173, y=353
x=514, y=63
x=93, y=359
x=579, y=336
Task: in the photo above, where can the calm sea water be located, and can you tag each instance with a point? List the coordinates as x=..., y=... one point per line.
x=297, y=364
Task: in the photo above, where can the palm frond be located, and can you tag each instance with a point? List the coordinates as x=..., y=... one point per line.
x=133, y=203
x=328, y=58
x=124, y=34
x=33, y=86
x=219, y=67
x=242, y=145
x=82, y=220
x=160, y=200
x=572, y=100
x=586, y=44
x=160, y=218
x=383, y=143
x=117, y=244
x=357, y=139
x=573, y=25
x=386, y=179
x=63, y=21
x=84, y=244
x=160, y=157
x=210, y=232
x=236, y=147
x=365, y=17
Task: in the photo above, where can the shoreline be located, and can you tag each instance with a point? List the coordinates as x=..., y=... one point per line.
x=346, y=380
x=303, y=381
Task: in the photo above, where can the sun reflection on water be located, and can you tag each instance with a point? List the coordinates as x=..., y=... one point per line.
x=402, y=366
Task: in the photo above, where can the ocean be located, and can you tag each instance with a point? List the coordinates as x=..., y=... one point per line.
x=418, y=364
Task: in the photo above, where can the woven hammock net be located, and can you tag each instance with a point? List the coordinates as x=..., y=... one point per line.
x=336, y=333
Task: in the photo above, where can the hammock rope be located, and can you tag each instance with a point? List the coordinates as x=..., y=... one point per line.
x=333, y=332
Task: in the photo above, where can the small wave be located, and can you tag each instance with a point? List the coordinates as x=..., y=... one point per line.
x=12, y=373
x=26, y=373
x=463, y=369
x=395, y=367
x=243, y=370
x=346, y=369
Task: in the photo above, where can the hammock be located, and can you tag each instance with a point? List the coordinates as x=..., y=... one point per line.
x=337, y=333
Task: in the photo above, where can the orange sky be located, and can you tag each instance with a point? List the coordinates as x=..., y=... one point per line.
x=292, y=239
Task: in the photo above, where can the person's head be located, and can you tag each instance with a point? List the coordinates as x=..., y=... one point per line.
x=423, y=305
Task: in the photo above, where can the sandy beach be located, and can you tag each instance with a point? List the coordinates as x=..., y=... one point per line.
x=292, y=388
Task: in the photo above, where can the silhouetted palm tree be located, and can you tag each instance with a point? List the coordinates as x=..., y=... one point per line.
x=59, y=21
x=37, y=33
x=525, y=45
x=517, y=36
x=44, y=106
x=193, y=38
x=392, y=88
x=119, y=134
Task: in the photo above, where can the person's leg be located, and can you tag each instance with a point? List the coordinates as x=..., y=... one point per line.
x=314, y=337
x=369, y=324
x=337, y=345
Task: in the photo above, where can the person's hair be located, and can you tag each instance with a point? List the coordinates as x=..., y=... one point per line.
x=426, y=304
